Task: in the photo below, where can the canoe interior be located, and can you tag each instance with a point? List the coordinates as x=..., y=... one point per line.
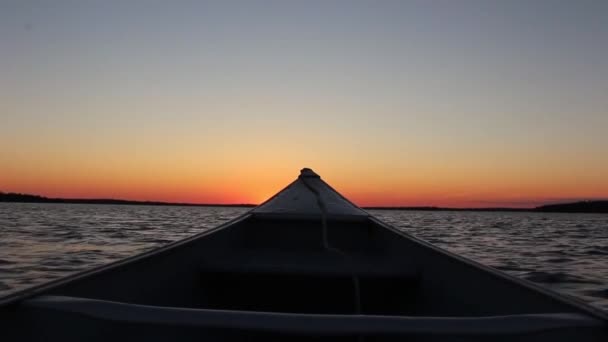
x=274, y=265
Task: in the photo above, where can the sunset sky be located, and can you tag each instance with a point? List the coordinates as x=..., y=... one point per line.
x=449, y=103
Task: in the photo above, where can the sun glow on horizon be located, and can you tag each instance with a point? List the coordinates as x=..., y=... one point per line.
x=364, y=189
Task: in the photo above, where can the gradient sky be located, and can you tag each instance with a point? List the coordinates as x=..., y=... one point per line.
x=452, y=103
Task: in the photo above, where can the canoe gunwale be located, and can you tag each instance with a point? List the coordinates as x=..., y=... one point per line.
x=579, y=304
x=29, y=292
x=306, y=323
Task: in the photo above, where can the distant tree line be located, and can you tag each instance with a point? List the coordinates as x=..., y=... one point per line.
x=27, y=198
x=17, y=197
x=574, y=207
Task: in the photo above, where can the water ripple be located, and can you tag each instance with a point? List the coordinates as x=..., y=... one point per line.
x=564, y=252
x=41, y=242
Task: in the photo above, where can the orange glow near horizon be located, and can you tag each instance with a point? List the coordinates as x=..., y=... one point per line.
x=256, y=184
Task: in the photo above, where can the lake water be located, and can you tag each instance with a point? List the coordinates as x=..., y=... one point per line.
x=564, y=252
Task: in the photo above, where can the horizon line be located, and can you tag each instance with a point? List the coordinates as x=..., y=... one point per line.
x=31, y=198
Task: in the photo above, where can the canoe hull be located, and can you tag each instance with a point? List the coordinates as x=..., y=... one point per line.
x=263, y=265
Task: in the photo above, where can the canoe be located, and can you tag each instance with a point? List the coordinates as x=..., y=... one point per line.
x=305, y=265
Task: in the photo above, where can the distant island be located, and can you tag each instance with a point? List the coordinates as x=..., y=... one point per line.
x=600, y=206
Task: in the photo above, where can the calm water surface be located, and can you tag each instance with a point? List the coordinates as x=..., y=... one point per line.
x=565, y=252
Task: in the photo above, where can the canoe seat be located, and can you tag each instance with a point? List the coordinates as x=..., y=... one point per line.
x=302, y=324
x=318, y=263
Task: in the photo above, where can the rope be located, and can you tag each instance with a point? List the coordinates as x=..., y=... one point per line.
x=327, y=246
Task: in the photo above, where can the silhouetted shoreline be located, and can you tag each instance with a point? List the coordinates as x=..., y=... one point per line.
x=576, y=207
x=600, y=206
x=449, y=209
x=27, y=198
x=591, y=207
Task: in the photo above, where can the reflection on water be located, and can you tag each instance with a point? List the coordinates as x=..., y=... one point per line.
x=565, y=252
